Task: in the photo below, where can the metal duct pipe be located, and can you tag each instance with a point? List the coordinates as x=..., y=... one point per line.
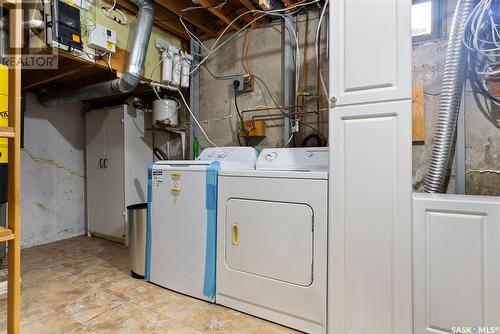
x=130, y=79
x=4, y=35
x=443, y=146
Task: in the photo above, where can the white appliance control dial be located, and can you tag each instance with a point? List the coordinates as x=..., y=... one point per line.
x=222, y=155
x=271, y=156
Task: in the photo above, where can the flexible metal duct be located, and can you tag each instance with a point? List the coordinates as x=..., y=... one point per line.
x=443, y=146
x=130, y=79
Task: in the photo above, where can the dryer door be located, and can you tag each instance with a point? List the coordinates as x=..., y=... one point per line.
x=273, y=240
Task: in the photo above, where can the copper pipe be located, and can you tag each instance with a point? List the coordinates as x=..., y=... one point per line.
x=274, y=118
x=270, y=108
x=281, y=116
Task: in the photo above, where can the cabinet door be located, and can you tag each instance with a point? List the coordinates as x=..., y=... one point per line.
x=138, y=154
x=370, y=219
x=370, y=50
x=114, y=177
x=456, y=263
x=96, y=189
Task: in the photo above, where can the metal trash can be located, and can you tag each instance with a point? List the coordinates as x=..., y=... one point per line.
x=137, y=238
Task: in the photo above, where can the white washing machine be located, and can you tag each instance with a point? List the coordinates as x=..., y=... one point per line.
x=272, y=238
x=182, y=218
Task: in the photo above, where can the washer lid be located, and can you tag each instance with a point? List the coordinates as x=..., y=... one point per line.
x=293, y=159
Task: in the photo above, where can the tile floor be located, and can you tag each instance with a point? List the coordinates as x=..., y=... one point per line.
x=82, y=285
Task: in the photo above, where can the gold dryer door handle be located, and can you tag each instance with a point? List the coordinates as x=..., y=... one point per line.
x=235, y=232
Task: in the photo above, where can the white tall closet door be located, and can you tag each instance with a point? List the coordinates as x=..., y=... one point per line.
x=370, y=223
x=137, y=155
x=370, y=232
x=96, y=192
x=114, y=182
x=370, y=50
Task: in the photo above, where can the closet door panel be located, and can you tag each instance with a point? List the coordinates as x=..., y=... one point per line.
x=370, y=233
x=370, y=50
x=96, y=190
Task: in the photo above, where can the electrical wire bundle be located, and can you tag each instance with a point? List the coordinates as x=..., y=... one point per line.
x=482, y=39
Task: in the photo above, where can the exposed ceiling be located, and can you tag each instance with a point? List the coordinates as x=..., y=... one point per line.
x=206, y=18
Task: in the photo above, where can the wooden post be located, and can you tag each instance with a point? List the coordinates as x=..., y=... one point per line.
x=14, y=177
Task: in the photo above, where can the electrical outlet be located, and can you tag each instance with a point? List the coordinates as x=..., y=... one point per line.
x=238, y=83
x=242, y=83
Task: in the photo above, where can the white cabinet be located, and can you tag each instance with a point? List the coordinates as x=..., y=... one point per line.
x=456, y=263
x=370, y=220
x=370, y=50
x=118, y=154
x=370, y=231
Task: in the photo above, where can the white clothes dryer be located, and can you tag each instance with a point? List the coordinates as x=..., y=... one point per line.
x=272, y=238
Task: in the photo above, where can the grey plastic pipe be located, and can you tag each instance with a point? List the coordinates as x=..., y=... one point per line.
x=443, y=145
x=130, y=79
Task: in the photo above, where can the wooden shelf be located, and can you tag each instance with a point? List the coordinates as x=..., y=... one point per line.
x=5, y=234
x=71, y=71
x=7, y=132
x=74, y=72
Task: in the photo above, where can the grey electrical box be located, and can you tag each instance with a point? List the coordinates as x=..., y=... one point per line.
x=238, y=83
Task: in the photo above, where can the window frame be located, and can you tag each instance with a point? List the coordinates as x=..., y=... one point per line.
x=437, y=24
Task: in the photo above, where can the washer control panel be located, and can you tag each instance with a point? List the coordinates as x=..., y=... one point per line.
x=228, y=154
x=293, y=159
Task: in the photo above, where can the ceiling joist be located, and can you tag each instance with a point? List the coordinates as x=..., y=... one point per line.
x=248, y=4
x=220, y=14
x=197, y=19
x=162, y=18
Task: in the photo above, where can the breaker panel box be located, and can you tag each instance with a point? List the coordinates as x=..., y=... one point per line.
x=64, y=26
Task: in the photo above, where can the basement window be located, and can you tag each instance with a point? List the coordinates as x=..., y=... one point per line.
x=426, y=18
